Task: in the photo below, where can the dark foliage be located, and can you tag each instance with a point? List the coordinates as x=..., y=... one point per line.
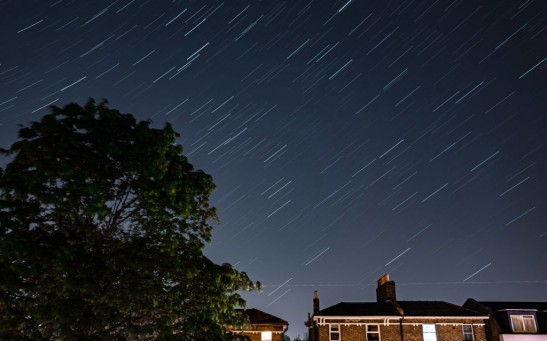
x=102, y=227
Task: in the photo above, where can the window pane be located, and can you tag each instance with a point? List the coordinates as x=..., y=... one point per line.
x=334, y=332
x=373, y=337
x=529, y=323
x=467, y=332
x=266, y=336
x=429, y=332
x=373, y=333
x=518, y=324
x=429, y=328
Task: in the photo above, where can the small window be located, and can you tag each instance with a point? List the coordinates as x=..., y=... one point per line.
x=430, y=334
x=468, y=332
x=523, y=323
x=334, y=332
x=373, y=332
x=529, y=324
x=266, y=336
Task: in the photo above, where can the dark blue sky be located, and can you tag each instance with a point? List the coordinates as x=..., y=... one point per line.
x=347, y=139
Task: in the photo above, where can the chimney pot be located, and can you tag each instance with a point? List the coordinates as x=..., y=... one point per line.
x=383, y=279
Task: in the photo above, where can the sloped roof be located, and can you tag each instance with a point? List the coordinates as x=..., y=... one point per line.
x=410, y=308
x=259, y=317
x=500, y=305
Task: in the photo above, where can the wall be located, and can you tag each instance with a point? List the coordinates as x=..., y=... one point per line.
x=257, y=336
x=447, y=330
x=254, y=332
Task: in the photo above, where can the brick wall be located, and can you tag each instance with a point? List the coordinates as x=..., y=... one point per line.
x=254, y=332
x=447, y=330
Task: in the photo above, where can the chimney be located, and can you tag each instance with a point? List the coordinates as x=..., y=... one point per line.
x=315, y=302
x=386, y=290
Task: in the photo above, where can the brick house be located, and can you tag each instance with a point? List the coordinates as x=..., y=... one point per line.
x=263, y=326
x=513, y=321
x=389, y=319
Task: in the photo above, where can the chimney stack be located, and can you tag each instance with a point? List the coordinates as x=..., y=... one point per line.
x=385, y=290
x=315, y=302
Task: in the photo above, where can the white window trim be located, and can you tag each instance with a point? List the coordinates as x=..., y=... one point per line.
x=378, y=332
x=521, y=317
x=262, y=335
x=388, y=320
x=472, y=331
x=338, y=331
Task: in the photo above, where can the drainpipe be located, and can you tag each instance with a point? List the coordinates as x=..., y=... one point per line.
x=401, y=327
x=399, y=310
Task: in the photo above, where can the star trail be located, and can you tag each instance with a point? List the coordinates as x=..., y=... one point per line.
x=347, y=139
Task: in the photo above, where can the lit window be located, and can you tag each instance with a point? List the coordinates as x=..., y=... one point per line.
x=523, y=323
x=467, y=332
x=334, y=332
x=429, y=332
x=266, y=336
x=373, y=332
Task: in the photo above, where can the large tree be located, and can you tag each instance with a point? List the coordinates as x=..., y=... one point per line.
x=102, y=226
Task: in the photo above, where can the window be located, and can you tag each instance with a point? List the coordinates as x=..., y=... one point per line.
x=266, y=336
x=467, y=332
x=523, y=323
x=373, y=332
x=429, y=332
x=334, y=332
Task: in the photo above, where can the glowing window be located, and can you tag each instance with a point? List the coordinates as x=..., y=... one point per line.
x=266, y=336
x=430, y=334
x=523, y=323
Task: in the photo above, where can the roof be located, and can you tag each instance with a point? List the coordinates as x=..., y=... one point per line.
x=499, y=305
x=410, y=308
x=259, y=317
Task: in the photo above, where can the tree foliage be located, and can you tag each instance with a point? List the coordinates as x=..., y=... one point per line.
x=102, y=227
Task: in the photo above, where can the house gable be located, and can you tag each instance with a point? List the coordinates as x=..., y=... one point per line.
x=263, y=325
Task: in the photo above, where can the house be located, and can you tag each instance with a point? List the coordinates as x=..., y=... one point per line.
x=263, y=326
x=388, y=319
x=513, y=321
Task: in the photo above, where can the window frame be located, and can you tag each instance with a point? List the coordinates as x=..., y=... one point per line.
x=377, y=332
x=521, y=318
x=472, y=333
x=429, y=333
x=337, y=331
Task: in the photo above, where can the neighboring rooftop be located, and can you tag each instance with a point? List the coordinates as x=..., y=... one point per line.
x=259, y=317
x=499, y=305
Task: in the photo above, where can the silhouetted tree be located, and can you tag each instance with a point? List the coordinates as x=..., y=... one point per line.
x=102, y=227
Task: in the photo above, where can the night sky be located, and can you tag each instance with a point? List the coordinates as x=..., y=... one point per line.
x=347, y=139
